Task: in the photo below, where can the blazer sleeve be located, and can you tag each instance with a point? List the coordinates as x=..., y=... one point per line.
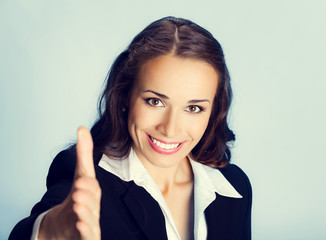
x=59, y=181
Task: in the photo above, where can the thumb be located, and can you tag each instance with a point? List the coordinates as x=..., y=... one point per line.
x=85, y=164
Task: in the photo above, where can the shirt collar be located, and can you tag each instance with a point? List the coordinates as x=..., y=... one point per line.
x=213, y=180
x=205, y=177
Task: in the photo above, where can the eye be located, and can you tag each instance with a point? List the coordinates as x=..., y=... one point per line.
x=155, y=102
x=194, y=109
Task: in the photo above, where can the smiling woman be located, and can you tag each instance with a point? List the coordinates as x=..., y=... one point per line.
x=160, y=115
x=156, y=164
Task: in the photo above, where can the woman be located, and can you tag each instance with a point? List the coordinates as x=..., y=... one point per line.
x=160, y=165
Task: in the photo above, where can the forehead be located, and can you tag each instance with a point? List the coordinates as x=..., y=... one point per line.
x=176, y=76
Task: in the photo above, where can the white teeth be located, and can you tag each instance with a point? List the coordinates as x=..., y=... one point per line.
x=163, y=145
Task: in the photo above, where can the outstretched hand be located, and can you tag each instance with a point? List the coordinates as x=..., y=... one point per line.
x=77, y=217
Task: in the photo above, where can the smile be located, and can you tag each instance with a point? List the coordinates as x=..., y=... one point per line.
x=163, y=147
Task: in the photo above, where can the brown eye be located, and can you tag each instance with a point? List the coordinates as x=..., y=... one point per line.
x=194, y=109
x=155, y=102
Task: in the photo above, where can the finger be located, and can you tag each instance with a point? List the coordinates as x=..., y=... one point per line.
x=88, y=225
x=84, y=165
x=87, y=232
x=88, y=199
x=86, y=214
x=87, y=183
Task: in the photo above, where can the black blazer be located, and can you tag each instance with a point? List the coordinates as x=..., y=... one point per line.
x=129, y=212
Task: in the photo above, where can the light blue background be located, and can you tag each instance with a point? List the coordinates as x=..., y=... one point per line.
x=54, y=56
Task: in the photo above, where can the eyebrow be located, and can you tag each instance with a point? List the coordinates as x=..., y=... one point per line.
x=166, y=97
x=158, y=94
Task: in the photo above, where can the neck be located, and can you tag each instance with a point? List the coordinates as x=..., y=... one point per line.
x=169, y=178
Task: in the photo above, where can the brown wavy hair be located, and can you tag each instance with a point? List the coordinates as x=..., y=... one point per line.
x=182, y=38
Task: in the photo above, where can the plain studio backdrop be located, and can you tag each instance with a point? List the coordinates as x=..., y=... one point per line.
x=54, y=56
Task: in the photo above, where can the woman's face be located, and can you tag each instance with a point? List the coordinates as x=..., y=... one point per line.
x=169, y=108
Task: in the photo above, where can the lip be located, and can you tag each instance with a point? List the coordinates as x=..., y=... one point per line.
x=162, y=150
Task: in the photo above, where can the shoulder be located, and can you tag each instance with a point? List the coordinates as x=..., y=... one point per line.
x=238, y=179
x=64, y=164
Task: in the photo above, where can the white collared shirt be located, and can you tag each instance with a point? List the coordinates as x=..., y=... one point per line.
x=207, y=182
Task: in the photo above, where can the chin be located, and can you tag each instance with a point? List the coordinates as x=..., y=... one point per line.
x=163, y=160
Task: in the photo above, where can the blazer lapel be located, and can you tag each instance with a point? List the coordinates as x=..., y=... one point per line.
x=146, y=212
x=134, y=202
x=217, y=218
x=224, y=218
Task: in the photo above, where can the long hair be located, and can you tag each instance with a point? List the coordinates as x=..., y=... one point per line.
x=178, y=37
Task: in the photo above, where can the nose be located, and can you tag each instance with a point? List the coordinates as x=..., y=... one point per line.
x=169, y=125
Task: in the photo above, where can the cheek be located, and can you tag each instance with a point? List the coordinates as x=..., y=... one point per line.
x=138, y=117
x=197, y=129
